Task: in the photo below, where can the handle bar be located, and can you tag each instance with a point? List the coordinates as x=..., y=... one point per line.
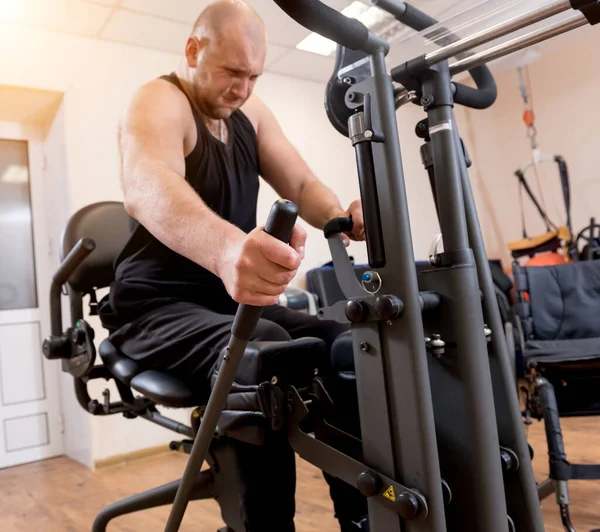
x=69, y=264
x=280, y=224
x=486, y=92
x=353, y=34
x=326, y=21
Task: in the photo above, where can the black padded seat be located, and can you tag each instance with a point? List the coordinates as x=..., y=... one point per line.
x=554, y=351
x=162, y=388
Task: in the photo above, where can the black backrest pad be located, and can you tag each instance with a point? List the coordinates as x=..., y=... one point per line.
x=565, y=300
x=107, y=224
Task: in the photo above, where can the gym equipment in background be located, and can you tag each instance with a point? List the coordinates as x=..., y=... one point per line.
x=590, y=237
x=559, y=338
x=442, y=441
x=557, y=244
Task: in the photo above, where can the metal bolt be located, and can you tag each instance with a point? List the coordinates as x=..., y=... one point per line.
x=347, y=81
x=426, y=100
x=436, y=340
x=487, y=331
x=364, y=346
x=368, y=134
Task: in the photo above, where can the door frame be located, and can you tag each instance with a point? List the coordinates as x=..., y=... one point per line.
x=44, y=245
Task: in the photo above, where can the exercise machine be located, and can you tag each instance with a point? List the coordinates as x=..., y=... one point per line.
x=442, y=441
x=441, y=444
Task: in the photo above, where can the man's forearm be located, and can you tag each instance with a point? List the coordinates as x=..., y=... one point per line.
x=318, y=204
x=163, y=202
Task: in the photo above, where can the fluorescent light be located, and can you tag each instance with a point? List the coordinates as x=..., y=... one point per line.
x=375, y=19
x=9, y=10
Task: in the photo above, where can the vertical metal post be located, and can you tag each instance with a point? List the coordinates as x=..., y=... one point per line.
x=402, y=343
x=522, y=497
x=456, y=279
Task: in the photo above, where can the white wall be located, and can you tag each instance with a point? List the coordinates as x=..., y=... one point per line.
x=97, y=80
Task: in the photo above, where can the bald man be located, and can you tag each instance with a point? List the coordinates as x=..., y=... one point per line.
x=193, y=144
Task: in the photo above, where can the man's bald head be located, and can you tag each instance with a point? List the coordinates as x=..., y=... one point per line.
x=225, y=55
x=222, y=17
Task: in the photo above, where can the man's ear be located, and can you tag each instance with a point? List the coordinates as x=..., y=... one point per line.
x=193, y=47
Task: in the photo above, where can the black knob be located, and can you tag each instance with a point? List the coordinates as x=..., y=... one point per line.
x=369, y=484
x=55, y=347
x=388, y=307
x=356, y=311
x=408, y=506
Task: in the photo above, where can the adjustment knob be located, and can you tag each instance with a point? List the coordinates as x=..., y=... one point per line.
x=408, y=506
x=388, y=307
x=55, y=347
x=356, y=311
x=369, y=484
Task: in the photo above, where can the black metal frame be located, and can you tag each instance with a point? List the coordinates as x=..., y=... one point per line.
x=442, y=446
x=76, y=349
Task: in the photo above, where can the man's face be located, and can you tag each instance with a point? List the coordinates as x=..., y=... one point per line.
x=226, y=73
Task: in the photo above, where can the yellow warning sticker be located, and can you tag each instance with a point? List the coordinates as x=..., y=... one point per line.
x=390, y=494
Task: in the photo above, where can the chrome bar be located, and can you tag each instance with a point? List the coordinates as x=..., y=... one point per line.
x=499, y=30
x=518, y=43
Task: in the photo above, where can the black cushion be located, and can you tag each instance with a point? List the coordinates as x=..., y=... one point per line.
x=122, y=367
x=293, y=362
x=165, y=389
x=562, y=350
x=162, y=388
x=108, y=225
x=565, y=300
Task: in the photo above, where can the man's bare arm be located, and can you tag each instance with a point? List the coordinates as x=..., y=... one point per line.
x=287, y=172
x=156, y=193
x=255, y=268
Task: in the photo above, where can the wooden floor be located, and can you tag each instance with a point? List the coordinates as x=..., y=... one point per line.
x=60, y=495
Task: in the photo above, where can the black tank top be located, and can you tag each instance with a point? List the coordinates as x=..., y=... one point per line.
x=225, y=176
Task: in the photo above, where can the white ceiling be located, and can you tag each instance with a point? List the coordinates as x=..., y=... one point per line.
x=165, y=24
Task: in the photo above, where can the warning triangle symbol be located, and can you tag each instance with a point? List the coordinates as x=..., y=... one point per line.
x=390, y=494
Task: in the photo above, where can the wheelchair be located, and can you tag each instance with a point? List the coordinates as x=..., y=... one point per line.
x=558, y=338
x=268, y=373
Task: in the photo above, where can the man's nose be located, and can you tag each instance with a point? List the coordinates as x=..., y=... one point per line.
x=240, y=88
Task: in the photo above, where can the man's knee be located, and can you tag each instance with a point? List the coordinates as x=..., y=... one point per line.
x=268, y=331
x=328, y=331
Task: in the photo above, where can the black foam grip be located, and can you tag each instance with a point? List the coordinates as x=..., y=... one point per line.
x=483, y=96
x=280, y=224
x=281, y=220
x=560, y=468
x=416, y=19
x=326, y=21
x=590, y=9
x=338, y=225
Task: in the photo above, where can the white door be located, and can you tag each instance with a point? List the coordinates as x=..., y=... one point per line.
x=29, y=408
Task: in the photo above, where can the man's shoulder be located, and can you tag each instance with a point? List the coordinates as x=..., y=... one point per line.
x=160, y=90
x=254, y=109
